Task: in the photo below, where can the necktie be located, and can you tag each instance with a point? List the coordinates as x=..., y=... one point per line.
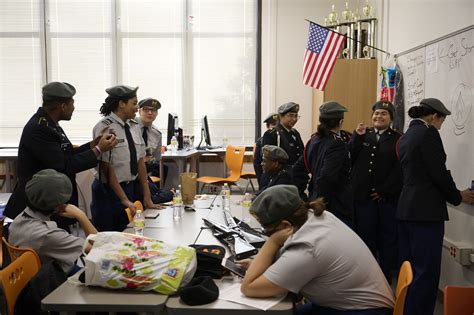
x=145, y=135
x=377, y=135
x=133, y=151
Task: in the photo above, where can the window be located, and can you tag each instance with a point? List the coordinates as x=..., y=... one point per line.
x=197, y=57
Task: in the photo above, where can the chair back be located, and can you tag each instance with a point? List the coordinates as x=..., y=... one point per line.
x=234, y=159
x=405, y=277
x=16, y=276
x=138, y=206
x=458, y=300
x=16, y=252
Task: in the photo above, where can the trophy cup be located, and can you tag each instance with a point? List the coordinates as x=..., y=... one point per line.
x=332, y=17
x=349, y=24
x=369, y=20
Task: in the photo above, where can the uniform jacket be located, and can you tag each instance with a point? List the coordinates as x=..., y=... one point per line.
x=257, y=157
x=427, y=184
x=329, y=162
x=43, y=145
x=282, y=177
x=375, y=166
x=290, y=141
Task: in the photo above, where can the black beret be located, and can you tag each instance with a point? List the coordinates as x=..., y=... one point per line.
x=47, y=189
x=122, y=91
x=331, y=109
x=55, y=90
x=384, y=105
x=149, y=102
x=436, y=105
x=288, y=107
x=271, y=118
x=275, y=204
x=274, y=153
x=201, y=290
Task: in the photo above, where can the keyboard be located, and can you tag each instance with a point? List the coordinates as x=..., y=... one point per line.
x=151, y=213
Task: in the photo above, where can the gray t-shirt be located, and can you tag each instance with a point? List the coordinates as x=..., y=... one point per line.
x=330, y=265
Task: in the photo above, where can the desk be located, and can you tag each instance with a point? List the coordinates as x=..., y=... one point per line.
x=181, y=158
x=10, y=155
x=69, y=298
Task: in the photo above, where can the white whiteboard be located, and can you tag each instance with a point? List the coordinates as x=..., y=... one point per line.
x=444, y=70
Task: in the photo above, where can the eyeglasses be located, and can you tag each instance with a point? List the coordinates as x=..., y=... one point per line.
x=149, y=110
x=293, y=115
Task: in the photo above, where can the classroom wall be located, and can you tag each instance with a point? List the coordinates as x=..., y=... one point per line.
x=403, y=24
x=409, y=24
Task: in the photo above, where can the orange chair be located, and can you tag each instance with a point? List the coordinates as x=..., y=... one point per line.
x=405, y=277
x=249, y=175
x=155, y=179
x=234, y=159
x=16, y=276
x=458, y=300
x=138, y=206
x=16, y=252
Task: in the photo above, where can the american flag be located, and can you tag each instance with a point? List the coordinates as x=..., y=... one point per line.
x=320, y=56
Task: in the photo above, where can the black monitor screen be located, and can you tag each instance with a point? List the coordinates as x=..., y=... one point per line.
x=205, y=131
x=172, y=127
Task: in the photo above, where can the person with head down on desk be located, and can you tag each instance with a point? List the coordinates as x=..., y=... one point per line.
x=115, y=187
x=44, y=145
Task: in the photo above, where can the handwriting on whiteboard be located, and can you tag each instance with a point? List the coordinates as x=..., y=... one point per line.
x=415, y=79
x=454, y=52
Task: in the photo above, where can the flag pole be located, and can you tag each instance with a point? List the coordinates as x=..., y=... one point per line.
x=329, y=29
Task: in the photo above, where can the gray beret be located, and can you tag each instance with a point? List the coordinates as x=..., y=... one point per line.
x=47, y=189
x=55, y=90
x=274, y=153
x=271, y=118
x=149, y=102
x=435, y=104
x=288, y=107
x=122, y=91
x=384, y=105
x=331, y=109
x=275, y=204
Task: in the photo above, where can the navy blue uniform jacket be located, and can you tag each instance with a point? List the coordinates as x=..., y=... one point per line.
x=427, y=184
x=375, y=166
x=329, y=162
x=290, y=141
x=44, y=145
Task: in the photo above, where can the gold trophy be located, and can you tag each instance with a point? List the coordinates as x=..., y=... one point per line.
x=332, y=17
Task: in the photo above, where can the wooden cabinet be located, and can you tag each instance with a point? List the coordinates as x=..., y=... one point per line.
x=353, y=83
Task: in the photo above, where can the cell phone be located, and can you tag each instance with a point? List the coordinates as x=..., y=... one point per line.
x=234, y=268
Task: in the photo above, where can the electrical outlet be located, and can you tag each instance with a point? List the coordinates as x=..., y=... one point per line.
x=461, y=252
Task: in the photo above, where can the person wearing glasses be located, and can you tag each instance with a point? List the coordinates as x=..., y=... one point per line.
x=311, y=252
x=121, y=176
x=285, y=136
x=328, y=161
x=147, y=113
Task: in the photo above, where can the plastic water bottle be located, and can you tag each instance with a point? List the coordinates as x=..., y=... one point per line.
x=139, y=222
x=174, y=145
x=178, y=206
x=246, y=203
x=226, y=197
x=225, y=140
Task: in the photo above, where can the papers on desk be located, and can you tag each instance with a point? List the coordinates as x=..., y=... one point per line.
x=233, y=294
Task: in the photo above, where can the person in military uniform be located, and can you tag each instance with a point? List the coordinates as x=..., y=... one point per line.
x=275, y=167
x=114, y=187
x=284, y=135
x=44, y=145
x=376, y=180
x=147, y=113
x=326, y=157
x=271, y=121
x=422, y=210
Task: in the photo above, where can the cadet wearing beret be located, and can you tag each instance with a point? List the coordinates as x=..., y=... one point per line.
x=376, y=180
x=312, y=253
x=427, y=186
x=275, y=167
x=114, y=187
x=284, y=135
x=271, y=121
x=44, y=144
x=327, y=159
x=48, y=191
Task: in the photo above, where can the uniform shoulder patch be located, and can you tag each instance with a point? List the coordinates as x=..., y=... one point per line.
x=43, y=122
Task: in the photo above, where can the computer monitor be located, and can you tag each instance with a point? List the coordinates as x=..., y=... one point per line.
x=205, y=131
x=174, y=130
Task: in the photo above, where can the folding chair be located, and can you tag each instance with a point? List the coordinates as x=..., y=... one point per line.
x=405, y=277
